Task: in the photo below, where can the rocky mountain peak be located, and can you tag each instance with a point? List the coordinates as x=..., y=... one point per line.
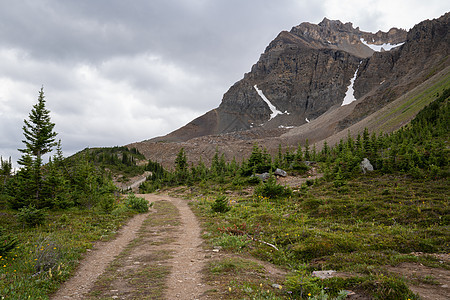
x=309, y=71
x=334, y=34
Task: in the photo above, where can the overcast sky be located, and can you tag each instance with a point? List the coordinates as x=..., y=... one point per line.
x=116, y=72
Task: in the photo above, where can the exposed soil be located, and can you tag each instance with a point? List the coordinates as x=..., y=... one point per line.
x=132, y=183
x=185, y=280
x=429, y=283
x=296, y=181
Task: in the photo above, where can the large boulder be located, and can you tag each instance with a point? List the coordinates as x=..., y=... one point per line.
x=280, y=172
x=263, y=176
x=366, y=166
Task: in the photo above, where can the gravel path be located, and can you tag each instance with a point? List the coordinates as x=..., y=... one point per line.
x=184, y=281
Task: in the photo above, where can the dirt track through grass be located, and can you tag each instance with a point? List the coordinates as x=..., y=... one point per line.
x=96, y=262
x=156, y=256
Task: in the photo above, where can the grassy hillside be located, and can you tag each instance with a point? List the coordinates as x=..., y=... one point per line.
x=121, y=162
x=410, y=104
x=359, y=230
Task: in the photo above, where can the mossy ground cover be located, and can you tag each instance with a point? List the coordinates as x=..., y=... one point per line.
x=240, y=278
x=359, y=228
x=46, y=255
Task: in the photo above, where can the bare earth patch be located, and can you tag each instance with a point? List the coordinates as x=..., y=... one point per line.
x=429, y=283
x=185, y=280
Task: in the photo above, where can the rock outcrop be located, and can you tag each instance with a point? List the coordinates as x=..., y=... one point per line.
x=302, y=73
x=296, y=89
x=386, y=75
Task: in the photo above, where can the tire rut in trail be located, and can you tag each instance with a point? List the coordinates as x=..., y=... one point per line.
x=188, y=258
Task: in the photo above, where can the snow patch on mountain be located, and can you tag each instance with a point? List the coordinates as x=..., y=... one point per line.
x=349, y=97
x=378, y=48
x=272, y=108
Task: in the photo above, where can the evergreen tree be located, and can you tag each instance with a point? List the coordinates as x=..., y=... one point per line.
x=233, y=167
x=56, y=186
x=256, y=157
x=314, y=153
x=350, y=143
x=21, y=186
x=299, y=154
x=5, y=175
x=267, y=160
x=215, y=164
x=181, y=161
x=5, y=170
x=39, y=140
x=279, y=158
x=366, y=142
x=325, y=151
x=307, y=155
x=58, y=158
x=181, y=166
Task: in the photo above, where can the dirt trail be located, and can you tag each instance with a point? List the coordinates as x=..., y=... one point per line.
x=187, y=260
x=97, y=260
x=184, y=281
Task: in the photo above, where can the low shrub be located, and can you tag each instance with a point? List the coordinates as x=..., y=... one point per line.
x=4, y=200
x=220, y=205
x=7, y=242
x=300, y=167
x=31, y=216
x=253, y=180
x=388, y=288
x=271, y=189
x=138, y=204
x=107, y=203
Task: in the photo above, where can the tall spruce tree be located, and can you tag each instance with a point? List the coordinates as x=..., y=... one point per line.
x=181, y=166
x=39, y=140
x=5, y=173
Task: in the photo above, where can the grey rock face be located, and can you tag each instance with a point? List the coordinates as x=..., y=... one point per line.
x=263, y=176
x=303, y=73
x=306, y=72
x=386, y=75
x=324, y=274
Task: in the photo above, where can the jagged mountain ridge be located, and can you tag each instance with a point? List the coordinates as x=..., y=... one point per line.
x=387, y=75
x=304, y=73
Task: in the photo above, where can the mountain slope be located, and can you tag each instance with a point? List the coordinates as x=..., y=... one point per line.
x=302, y=73
x=303, y=77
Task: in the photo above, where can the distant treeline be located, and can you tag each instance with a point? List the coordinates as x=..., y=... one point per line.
x=418, y=149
